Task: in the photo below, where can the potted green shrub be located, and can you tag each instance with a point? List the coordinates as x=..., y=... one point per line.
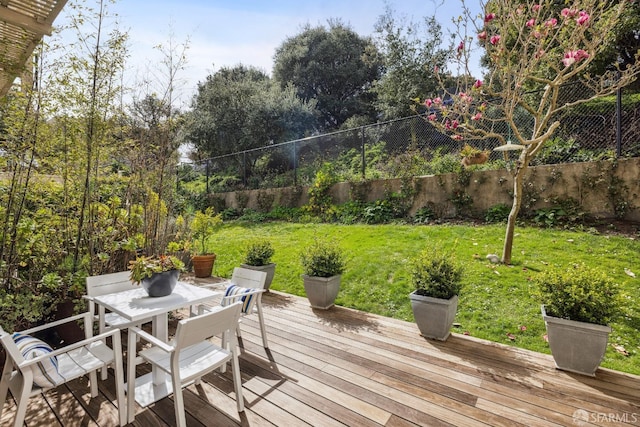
x=258, y=257
x=437, y=280
x=157, y=275
x=203, y=225
x=323, y=265
x=577, y=305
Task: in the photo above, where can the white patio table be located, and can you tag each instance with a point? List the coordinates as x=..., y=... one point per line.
x=136, y=305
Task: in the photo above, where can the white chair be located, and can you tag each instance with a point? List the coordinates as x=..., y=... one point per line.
x=247, y=286
x=190, y=355
x=106, y=284
x=32, y=366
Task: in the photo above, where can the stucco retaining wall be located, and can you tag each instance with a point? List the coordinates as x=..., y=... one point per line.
x=596, y=186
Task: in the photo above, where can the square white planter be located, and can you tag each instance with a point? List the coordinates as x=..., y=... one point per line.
x=434, y=316
x=321, y=291
x=576, y=346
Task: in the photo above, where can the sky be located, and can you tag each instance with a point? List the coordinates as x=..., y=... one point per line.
x=225, y=33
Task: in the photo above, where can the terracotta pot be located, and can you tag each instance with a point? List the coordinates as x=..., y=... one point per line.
x=203, y=265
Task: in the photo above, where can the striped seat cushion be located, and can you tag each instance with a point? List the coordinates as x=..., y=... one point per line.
x=237, y=291
x=45, y=372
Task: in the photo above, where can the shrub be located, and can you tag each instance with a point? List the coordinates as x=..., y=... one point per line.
x=424, y=215
x=322, y=259
x=259, y=253
x=436, y=274
x=497, y=213
x=579, y=293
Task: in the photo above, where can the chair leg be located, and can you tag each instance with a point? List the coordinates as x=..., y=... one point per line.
x=263, y=329
x=4, y=383
x=119, y=374
x=22, y=401
x=178, y=401
x=131, y=376
x=237, y=380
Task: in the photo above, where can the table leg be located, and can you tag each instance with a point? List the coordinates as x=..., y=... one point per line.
x=160, y=329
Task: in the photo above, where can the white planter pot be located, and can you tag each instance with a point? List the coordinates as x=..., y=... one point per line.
x=434, y=316
x=321, y=291
x=576, y=346
x=270, y=269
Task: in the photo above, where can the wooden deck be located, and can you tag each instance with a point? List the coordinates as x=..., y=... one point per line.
x=344, y=367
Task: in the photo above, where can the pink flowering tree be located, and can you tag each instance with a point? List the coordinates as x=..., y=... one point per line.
x=532, y=50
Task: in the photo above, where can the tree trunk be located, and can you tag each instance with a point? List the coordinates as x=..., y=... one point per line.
x=518, y=179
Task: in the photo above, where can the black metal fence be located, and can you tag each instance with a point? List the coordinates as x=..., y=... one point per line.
x=606, y=128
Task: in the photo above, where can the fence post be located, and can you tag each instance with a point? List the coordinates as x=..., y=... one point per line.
x=244, y=168
x=619, y=122
x=364, y=166
x=295, y=164
x=207, y=173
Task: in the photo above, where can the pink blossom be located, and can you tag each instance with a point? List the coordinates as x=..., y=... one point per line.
x=477, y=116
x=477, y=84
x=432, y=117
x=455, y=124
x=489, y=17
x=583, y=19
x=482, y=35
x=568, y=13
x=535, y=7
x=436, y=69
x=447, y=125
x=461, y=46
x=540, y=53
x=458, y=137
x=537, y=34
x=428, y=102
x=531, y=22
x=574, y=56
x=551, y=23
x=495, y=39
x=437, y=101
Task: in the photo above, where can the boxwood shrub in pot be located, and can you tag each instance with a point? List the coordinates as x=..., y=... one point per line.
x=436, y=277
x=258, y=257
x=577, y=305
x=323, y=264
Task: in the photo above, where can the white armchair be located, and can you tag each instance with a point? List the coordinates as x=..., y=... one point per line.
x=32, y=366
x=190, y=355
x=106, y=284
x=246, y=286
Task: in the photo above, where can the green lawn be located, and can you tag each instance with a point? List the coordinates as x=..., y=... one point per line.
x=496, y=300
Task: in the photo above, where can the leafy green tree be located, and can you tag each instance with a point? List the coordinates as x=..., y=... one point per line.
x=239, y=109
x=410, y=53
x=333, y=66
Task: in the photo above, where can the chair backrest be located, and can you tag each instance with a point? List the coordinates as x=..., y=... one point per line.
x=243, y=280
x=108, y=283
x=247, y=278
x=199, y=328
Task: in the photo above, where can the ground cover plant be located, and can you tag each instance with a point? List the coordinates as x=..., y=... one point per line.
x=498, y=302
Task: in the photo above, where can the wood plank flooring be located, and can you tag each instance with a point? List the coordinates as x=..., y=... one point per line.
x=344, y=367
